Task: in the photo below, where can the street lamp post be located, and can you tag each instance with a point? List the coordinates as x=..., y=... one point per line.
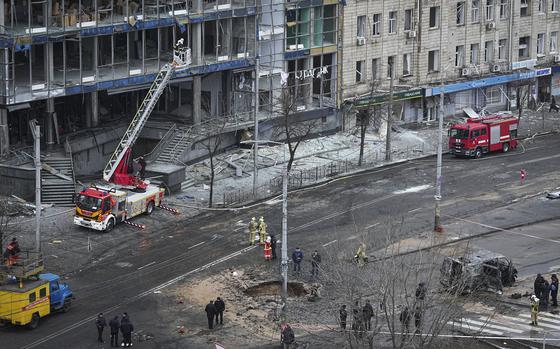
x=437, y=217
x=284, y=262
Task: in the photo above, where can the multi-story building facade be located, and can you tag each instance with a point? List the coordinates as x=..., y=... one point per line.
x=479, y=50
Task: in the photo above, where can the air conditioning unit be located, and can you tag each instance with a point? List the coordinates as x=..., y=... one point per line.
x=361, y=40
x=496, y=68
x=411, y=34
x=556, y=58
x=491, y=25
x=465, y=72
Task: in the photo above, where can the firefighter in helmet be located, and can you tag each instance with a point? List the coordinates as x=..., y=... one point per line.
x=262, y=231
x=252, y=230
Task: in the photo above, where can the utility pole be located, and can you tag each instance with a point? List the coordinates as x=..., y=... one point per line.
x=389, y=117
x=256, y=127
x=36, y=131
x=284, y=237
x=437, y=219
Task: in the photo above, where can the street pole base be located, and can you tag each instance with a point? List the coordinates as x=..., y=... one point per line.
x=438, y=229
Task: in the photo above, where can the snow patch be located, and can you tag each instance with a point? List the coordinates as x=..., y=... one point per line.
x=416, y=189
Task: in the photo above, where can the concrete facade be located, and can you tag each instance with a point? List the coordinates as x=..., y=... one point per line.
x=469, y=40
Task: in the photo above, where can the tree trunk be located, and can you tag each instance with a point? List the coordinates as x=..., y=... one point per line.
x=211, y=196
x=363, y=128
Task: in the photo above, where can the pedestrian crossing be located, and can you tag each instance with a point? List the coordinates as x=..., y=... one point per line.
x=506, y=325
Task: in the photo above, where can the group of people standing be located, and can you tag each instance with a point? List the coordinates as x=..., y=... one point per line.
x=258, y=235
x=362, y=316
x=124, y=325
x=215, y=310
x=545, y=291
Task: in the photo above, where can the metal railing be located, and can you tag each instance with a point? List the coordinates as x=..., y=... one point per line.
x=158, y=149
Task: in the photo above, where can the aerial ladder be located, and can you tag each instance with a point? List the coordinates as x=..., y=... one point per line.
x=126, y=195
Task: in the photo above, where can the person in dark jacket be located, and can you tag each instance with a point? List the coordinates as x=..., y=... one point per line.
x=100, y=323
x=220, y=308
x=126, y=330
x=404, y=317
x=368, y=314
x=421, y=291
x=343, y=316
x=297, y=257
x=315, y=262
x=545, y=293
x=273, y=242
x=418, y=319
x=210, y=314
x=538, y=285
x=554, y=289
x=288, y=337
x=115, y=324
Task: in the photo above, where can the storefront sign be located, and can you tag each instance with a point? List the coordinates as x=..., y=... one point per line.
x=311, y=73
x=367, y=101
x=490, y=81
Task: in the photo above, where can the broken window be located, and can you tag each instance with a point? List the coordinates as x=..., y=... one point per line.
x=71, y=13
x=542, y=6
x=224, y=39
x=391, y=67
x=553, y=42
x=460, y=56
x=39, y=66
x=524, y=46
x=329, y=24
x=89, y=65
x=525, y=8
x=120, y=53
x=209, y=41
x=408, y=19
x=460, y=13
x=104, y=60
x=239, y=42
x=151, y=49
x=375, y=68
x=72, y=61
x=488, y=51
x=554, y=6
x=105, y=12
x=135, y=52
x=360, y=70
x=376, y=24
x=86, y=15
x=433, y=61
x=475, y=49
x=38, y=17
x=407, y=64
x=540, y=43
x=502, y=49
x=57, y=61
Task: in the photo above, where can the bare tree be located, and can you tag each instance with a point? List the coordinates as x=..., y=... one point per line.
x=390, y=282
x=212, y=145
x=523, y=94
x=290, y=127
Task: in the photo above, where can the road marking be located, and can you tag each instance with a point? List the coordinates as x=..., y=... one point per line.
x=373, y=225
x=329, y=243
x=543, y=322
x=520, y=323
x=521, y=163
x=135, y=298
x=504, y=230
x=486, y=324
x=416, y=209
x=467, y=327
x=147, y=265
x=193, y=246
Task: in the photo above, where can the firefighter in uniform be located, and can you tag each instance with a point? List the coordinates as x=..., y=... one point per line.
x=361, y=255
x=252, y=230
x=262, y=231
x=534, y=310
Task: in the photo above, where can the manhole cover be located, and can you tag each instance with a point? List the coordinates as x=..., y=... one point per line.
x=274, y=288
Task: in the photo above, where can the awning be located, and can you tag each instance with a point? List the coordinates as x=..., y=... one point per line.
x=16, y=107
x=367, y=101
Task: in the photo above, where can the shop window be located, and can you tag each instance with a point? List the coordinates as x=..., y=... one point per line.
x=493, y=95
x=475, y=11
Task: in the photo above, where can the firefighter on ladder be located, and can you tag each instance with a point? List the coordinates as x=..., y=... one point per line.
x=262, y=231
x=252, y=231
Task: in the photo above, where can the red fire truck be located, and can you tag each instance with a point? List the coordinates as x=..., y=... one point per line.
x=481, y=135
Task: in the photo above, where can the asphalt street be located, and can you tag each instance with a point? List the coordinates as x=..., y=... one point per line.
x=341, y=213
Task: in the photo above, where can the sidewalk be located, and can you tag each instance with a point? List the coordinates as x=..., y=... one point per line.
x=324, y=157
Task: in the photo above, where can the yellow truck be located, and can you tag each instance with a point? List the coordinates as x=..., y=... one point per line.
x=26, y=296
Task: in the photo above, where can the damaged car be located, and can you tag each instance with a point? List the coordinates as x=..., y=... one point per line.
x=476, y=271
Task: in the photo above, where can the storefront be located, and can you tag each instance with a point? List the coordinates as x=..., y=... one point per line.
x=407, y=104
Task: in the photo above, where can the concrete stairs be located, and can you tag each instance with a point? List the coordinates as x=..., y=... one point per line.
x=55, y=190
x=187, y=183
x=178, y=144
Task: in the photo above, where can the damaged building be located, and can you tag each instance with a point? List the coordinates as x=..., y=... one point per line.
x=81, y=68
